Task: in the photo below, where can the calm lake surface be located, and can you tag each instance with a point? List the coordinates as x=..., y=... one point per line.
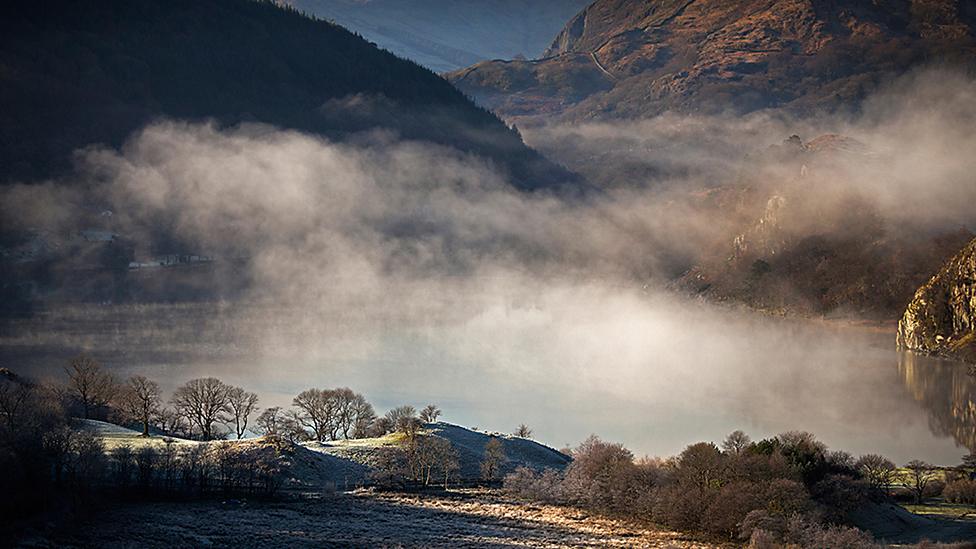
x=652, y=373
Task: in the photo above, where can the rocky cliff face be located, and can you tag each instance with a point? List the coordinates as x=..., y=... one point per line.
x=632, y=58
x=941, y=318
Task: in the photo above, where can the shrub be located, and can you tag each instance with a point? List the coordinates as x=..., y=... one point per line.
x=961, y=491
x=761, y=539
x=759, y=520
x=808, y=533
x=532, y=485
x=602, y=476
x=731, y=505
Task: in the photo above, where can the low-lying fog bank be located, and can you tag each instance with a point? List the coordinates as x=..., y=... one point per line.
x=651, y=371
x=415, y=273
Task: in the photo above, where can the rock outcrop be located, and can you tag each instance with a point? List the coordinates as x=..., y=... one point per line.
x=941, y=318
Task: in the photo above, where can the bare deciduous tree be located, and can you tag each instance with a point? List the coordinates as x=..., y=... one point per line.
x=344, y=410
x=403, y=418
x=491, y=462
x=269, y=421
x=241, y=404
x=203, y=402
x=315, y=412
x=429, y=414
x=89, y=385
x=291, y=428
x=878, y=470
x=140, y=399
x=445, y=459
x=364, y=416
x=16, y=394
x=736, y=443
x=380, y=427
x=920, y=475
x=173, y=421
x=523, y=431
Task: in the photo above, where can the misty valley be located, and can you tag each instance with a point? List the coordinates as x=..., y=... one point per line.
x=493, y=273
x=760, y=376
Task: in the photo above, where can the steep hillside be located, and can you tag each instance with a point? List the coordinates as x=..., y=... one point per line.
x=79, y=73
x=632, y=58
x=941, y=318
x=445, y=35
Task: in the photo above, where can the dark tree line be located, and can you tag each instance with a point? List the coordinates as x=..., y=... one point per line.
x=208, y=409
x=50, y=458
x=86, y=73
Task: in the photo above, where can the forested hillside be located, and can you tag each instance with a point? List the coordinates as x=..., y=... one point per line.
x=80, y=73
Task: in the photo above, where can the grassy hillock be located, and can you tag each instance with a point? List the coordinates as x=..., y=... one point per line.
x=348, y=463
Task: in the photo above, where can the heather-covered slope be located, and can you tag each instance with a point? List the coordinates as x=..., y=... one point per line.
x=632, y=58
x=445, y=35
x=74, y=74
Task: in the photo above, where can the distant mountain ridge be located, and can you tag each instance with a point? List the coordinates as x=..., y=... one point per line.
x=445, y=35
x=632, y=58
x=73, y=74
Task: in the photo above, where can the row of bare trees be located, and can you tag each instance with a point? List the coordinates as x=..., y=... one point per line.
x=199, y=408
x=207, y=408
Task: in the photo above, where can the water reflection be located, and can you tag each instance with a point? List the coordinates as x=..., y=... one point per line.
x=947, y=391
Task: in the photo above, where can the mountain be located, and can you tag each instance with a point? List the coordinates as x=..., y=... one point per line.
x=79, y=73
x=941, y=318
x=810, y=242
x=446, y=35
x=633, y=58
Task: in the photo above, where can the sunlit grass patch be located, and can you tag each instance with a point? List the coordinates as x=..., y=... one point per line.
x=936, y=509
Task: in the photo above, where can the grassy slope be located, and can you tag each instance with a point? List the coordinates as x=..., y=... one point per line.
x=347, y=463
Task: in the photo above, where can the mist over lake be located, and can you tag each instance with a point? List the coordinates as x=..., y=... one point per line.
x=620, y=363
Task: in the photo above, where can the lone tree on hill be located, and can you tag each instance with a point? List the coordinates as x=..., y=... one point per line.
x=523, y=431
x=404, y=419
x=204, y=402
x=89, y=385
x=140, y=399
x=429, y=414
x=491, y=463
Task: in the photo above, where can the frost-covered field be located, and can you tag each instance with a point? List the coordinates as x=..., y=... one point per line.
x=464, y=518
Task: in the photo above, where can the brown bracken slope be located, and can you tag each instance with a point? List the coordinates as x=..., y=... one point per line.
x=636, y=58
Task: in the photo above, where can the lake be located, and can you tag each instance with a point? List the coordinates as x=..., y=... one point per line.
x=655, y=372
